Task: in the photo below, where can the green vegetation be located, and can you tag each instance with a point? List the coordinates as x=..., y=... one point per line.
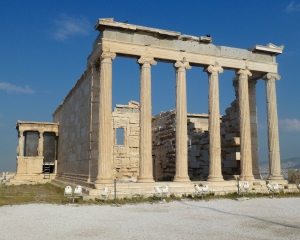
x=48, y=193
x=39, y=193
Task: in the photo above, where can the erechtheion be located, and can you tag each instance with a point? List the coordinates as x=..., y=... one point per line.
x=173, y=145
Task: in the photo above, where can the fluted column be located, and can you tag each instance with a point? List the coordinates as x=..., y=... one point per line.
x=253, y=126
x=181, y=174
x=244, y=118
x=273, y=137
x=41, y=144
x=105, y=141
x=145, y=165
x=215, y=169
x=20, y=151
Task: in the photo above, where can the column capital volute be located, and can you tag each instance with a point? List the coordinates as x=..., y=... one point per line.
x=213, y=68
x=182, y=64
x=244, y=72
x=146, y=60
x=108, y=55
x=273, y=76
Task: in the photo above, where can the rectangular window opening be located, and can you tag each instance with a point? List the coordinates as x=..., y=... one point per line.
x=31, y=144
x=120, y=136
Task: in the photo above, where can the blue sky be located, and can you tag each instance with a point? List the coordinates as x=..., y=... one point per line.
x=44, y=46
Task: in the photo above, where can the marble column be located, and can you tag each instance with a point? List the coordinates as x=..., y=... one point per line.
x=273, y=137
x=181, y=174
x=253, y=126
x=20, y=150
x=215, y=167
x=145, y=164
x=41, y=144
x=244, y=118
x=105, y=139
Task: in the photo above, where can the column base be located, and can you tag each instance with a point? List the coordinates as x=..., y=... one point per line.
x=145, y=180
x=257, y=176
x=215, y=179
x=181, y=179
x=275, y=177
x=103, y=180
x=246, y=178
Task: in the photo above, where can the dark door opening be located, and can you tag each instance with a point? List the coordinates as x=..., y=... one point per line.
x=50, y=148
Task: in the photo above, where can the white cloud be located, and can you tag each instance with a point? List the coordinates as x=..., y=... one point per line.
x=292, y=7
x=289, y=125
x=68, y=26
x=13, y=88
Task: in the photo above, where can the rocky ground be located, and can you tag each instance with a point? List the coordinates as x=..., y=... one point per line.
x=262, y=218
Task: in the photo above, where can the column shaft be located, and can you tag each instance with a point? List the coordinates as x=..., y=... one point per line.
x=215, y=168
x=145, y=164
x=21, y=144
x=181, y=174
x=41, y=144
x=273, y=136
x=253, y=125
x=105, y=147
x=244, y=118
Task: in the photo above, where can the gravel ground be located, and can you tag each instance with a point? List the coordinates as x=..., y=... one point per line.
x=217, y=219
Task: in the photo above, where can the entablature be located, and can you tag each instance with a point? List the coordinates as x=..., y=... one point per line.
x=164, y=42
x=23, y=126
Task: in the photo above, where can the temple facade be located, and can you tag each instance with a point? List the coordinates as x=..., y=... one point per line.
x=86, y=126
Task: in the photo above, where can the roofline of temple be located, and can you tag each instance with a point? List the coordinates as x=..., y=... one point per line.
x=103, y=23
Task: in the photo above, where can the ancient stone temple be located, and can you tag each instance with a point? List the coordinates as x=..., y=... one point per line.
x=87, y=151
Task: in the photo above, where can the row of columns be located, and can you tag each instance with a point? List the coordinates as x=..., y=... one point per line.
x=215, y=172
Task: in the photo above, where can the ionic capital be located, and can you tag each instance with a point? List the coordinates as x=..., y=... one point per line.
x=273, y=76
x=244, y=72
x=108, y=56
x=146, y=61
x=213, y=68
x=182, y=64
